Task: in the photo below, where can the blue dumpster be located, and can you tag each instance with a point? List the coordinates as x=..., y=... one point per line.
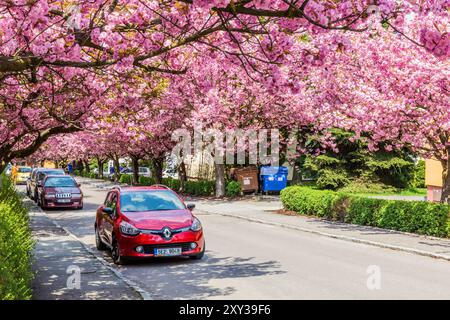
x=273, y=178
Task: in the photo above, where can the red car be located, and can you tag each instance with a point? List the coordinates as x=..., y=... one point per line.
x=59, y=191
x=141, y=222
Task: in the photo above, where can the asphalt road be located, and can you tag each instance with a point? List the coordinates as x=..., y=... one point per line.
x=246, y=260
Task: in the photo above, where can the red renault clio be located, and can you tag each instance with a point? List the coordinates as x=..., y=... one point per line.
x=141, y=222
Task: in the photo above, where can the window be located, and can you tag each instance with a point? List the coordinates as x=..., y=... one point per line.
x=60, y=182
x=24, y=169
x=154, y=200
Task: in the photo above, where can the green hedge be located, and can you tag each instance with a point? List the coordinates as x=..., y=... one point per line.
x=410, y=216
x=16, y=246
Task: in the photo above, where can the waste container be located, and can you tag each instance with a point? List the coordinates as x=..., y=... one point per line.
x=247, y=178
x=273, y=178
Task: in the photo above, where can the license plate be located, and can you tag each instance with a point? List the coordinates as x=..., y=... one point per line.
x=167, y=252
x=63, y=200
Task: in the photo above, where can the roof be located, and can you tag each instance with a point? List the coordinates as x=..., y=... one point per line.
x=141, y=188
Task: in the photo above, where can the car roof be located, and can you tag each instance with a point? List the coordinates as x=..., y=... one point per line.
x=142, y=188
x=49, y=169
x=58, y=176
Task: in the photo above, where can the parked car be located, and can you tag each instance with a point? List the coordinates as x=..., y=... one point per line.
x=37, y=175
x=59, y=191
x=23, y=173
x=143, y=171
x=141, y=222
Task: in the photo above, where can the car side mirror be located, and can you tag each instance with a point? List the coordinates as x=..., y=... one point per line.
x=107, y=210
x=78, y=184
x=190, y=206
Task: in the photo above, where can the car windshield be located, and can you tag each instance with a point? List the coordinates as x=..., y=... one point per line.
x=60, y=182
x=24, y=169
x=154, y=200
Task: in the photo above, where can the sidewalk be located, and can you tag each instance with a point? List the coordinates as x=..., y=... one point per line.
x=264, y=211
x=58, y=257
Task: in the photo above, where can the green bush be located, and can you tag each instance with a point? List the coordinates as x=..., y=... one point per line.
x=196, y=188
x=419, y=175
x=146, y=181
x=233, y=189
x=126, y=178
x=332, y=180
x=200, y=188
x=16, y=246
x=410, y=216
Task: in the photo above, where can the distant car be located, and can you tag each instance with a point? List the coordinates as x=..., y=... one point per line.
x=170, y=174
x=142, y=222
x=23, y=173
x=59, y=191
x=143, y=171
x=37, y=175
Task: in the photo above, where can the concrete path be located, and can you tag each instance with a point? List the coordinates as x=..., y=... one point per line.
x=64, y=270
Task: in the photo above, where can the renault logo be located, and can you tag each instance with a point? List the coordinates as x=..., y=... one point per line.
x=166, y=233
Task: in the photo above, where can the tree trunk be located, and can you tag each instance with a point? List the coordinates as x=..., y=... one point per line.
x=80, y=166
x=116, y=169
x=135, y=165
x=157, y=166
x=445, y=197
x=182, y=176
x=100, y=168
x=220, y=180
x=86, y=166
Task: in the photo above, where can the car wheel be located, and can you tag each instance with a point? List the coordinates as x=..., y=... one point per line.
x=98, y=242
x=115, y=253
x=199, y=255
x=35, y=196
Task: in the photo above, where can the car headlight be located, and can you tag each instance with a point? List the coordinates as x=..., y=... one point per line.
x=196, y=225
x=50, y=195
x=128, y=229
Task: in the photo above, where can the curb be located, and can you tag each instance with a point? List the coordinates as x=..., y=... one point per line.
x=334, y=236
x=130, y=283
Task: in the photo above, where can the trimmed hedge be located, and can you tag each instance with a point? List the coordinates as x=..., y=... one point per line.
x=16, y=245
x=410, y=216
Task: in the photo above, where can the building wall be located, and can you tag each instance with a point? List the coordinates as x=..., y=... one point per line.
x=433, y=179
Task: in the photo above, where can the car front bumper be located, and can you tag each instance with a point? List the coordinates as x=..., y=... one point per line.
x=149, y=242
x=74, y=203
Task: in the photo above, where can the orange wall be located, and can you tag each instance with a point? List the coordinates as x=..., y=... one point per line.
x=433, y=173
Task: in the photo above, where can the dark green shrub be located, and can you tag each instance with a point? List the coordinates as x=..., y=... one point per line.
x=233, y=189
x=126, y=178
x=172, y=183
x=332, y=180
x=419, y=175
x=200, y=188
x=16, y=246
x=410, y=216
x=146, y=181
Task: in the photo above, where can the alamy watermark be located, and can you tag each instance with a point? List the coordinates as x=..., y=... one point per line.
x=231, y=146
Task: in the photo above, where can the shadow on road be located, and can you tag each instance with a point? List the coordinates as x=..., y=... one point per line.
x=182, y=278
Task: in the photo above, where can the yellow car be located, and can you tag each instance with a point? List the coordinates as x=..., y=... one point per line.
x=23, y=173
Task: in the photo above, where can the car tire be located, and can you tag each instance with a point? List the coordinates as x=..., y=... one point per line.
x=35, y=196
x=200, y=255
x=115, y=254
x=98, y=242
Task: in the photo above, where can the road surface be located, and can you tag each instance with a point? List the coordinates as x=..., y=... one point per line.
x=247, y=260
